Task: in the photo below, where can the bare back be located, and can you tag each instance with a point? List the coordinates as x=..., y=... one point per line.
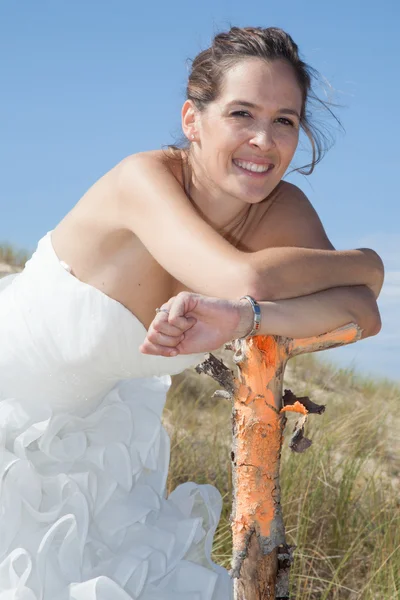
x=102, y=251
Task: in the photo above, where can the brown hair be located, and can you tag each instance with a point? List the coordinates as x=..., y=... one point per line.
x=228, y=48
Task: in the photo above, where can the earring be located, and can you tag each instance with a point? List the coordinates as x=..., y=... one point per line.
x=192, y=136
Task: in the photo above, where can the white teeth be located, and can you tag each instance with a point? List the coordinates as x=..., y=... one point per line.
x=249, y=166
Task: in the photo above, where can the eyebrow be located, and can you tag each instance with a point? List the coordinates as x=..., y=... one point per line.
x=287, y=111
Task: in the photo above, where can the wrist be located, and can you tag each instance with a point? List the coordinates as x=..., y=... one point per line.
x=256, y=320
x=245, y=321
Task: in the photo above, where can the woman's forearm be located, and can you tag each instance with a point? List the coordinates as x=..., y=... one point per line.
x=290, y=272
x=316, y=314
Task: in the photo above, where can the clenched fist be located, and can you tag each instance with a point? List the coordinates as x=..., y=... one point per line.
x=196, y=323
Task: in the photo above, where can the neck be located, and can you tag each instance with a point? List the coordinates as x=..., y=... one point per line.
x=220, y=211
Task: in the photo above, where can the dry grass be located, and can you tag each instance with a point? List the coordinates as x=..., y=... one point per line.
x=340, y=498
x=11, y=257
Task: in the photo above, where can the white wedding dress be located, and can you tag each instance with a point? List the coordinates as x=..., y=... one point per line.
x=84, y=457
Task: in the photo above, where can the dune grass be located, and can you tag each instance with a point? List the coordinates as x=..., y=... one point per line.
x=340, y=498
x=13, y=257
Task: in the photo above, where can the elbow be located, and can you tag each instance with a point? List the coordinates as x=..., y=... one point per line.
x=377, y=271
x=369, y=319
x=370, y=329
x=260, y=287
x=246, y=282
x=374, y=325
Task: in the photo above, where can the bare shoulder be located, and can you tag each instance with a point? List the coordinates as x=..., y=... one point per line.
x=134, y=168
x=292, y=220
x=150, y=186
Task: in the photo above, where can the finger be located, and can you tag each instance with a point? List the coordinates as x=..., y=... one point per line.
x=167, y=305
x=178, y=309
x=161, y=324
x=173, y=305
x=179, y=323
x=177, y=306
x=156, y=349
x=178, y=314
x=184, y=323
x=155, y=337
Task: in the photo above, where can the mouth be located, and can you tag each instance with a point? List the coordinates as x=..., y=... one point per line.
x=253, y=169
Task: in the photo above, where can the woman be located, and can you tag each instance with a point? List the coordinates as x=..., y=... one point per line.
x=85, y=358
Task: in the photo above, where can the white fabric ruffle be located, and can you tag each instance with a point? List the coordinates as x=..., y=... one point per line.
x=84, y=512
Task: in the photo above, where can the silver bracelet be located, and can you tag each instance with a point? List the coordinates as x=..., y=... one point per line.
x=257, y=316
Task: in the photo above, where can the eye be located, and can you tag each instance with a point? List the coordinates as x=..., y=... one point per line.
x=240, y=113
x=285, y=121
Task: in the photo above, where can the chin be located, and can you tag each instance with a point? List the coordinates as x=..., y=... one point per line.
x=253, y=196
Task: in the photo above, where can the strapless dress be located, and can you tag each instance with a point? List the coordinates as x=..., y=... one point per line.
x=84, y=513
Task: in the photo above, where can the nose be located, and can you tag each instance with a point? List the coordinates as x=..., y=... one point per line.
x=263, y=139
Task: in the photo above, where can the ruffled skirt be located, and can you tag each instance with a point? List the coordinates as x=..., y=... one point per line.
x=84, y=512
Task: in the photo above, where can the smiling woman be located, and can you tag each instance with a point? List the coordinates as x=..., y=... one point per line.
x=141, y=277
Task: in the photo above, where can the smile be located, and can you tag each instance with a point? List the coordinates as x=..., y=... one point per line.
x=251, y=167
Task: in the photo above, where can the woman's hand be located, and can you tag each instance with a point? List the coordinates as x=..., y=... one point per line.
x=196, y=323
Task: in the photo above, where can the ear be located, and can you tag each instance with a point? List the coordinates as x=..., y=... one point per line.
x=189, y=121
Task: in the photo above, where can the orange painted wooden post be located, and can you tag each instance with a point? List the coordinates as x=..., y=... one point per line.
x=261, y=558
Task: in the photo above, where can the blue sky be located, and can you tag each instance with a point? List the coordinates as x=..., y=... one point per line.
x=87, y=82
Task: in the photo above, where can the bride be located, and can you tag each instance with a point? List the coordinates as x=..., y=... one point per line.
x=169, y=255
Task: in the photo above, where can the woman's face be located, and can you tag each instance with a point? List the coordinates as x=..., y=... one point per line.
x=247, y=137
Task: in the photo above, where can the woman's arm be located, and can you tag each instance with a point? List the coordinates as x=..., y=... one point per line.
x=154, y=206
x=315, y=314
x=197, y=323
x=292, y=272
x=156, y=209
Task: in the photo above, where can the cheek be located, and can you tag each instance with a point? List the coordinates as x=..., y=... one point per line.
x=216, y=139
x=221, y=145
x=288, y=144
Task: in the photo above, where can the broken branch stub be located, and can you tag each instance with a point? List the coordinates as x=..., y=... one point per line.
x=304, y=406
x=216, y=369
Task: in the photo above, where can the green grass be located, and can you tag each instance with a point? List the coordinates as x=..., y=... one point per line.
x=340, y=498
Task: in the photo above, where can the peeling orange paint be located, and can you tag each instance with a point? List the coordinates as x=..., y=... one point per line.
x=296, y=407
x=258, y=440
x=339, y=337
